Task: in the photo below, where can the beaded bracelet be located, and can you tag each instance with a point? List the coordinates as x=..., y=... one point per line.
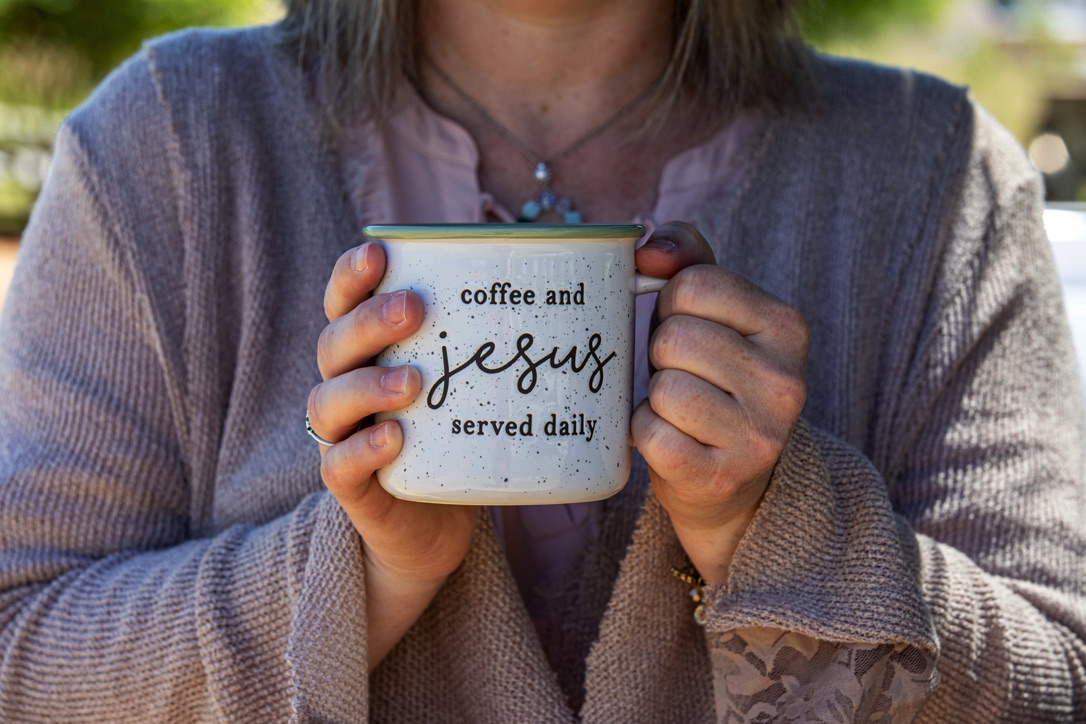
x=689, y=575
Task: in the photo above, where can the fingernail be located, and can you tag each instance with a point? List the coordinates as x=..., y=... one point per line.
x=394, y=310
x=395, y=380
x=358, y=258
x=665, y=245
x=379, y=436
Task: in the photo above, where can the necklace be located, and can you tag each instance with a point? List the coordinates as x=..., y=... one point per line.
x=547, y=201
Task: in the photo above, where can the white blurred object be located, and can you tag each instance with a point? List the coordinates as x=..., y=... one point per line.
x=1066, y=227
x=29, y=167
x=1049, y=153
x=1065, y=20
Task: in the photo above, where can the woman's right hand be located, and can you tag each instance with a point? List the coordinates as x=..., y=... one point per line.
x=409, y=547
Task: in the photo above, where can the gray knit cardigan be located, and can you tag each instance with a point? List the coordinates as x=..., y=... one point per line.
x=168, y=552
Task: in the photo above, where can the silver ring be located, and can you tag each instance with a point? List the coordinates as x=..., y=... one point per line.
x=314, y=435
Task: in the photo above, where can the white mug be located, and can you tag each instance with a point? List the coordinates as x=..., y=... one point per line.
x=526, y=357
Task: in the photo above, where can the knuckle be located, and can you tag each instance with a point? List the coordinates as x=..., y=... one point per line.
x=667, y=341
x=334, y=287
x=313, y=405
x=661, y=351
x=792, y=324
x=646, y=427
x=347, y=470
x=641, y=423
x=324, y=350
x=664, y=447
x=655, y=438
x=763, y=448
x=667, y=388
x=802, y=337
x=334, y=476
x=786, y=391
x=687, y=287
x=797, y=322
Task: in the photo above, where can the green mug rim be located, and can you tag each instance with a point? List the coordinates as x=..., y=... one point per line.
x=496, y=232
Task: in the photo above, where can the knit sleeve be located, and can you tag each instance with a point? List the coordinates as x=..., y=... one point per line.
x=111, y=607
x=968, y=546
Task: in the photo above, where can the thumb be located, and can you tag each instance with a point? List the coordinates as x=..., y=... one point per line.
x=673, y=246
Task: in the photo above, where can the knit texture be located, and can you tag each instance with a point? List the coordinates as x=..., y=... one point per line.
x=168, y=553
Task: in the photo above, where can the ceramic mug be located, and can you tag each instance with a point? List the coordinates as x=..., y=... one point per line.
x=526, y=357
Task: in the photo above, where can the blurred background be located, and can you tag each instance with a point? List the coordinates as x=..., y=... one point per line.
x=1025, y=60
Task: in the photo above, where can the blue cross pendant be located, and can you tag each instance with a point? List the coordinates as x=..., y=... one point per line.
x=547, y=202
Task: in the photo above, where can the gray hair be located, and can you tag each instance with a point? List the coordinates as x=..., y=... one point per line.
x=729, y=54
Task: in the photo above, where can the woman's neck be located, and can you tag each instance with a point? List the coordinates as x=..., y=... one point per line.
x=548, y=72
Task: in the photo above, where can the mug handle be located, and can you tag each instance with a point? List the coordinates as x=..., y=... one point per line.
x=647, y=285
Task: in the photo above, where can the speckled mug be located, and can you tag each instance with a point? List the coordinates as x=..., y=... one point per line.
x=526, y=357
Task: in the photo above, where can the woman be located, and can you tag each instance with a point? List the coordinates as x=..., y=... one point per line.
x=913, y=545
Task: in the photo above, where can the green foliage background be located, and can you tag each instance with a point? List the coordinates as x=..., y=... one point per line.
x=823, y=20
x=53, y=51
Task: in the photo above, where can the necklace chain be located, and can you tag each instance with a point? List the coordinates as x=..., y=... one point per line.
x=547, y=201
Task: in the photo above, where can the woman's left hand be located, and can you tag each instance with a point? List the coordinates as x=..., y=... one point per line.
x=730, y=362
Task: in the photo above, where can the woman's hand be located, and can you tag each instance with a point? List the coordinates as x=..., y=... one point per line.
x=730, y=383
x=409, y=547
